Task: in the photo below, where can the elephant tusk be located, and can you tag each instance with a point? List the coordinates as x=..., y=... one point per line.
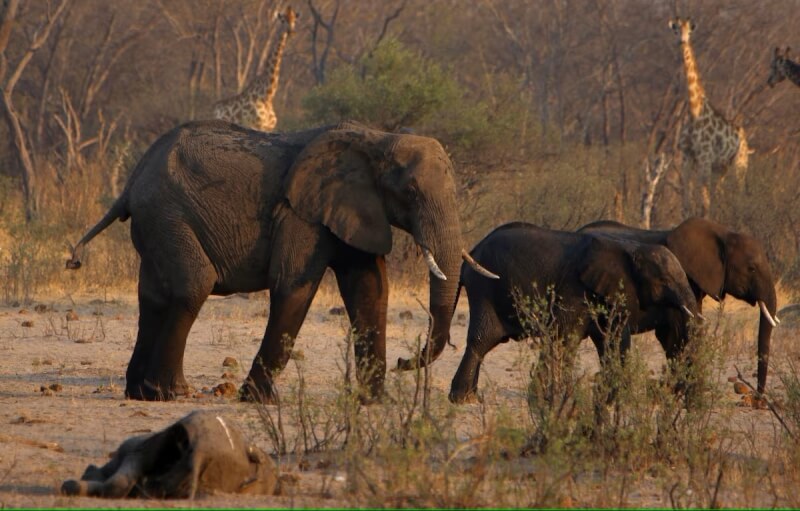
x=687, y=311
x=476, y=266
x=432, y=264
x=765, y=312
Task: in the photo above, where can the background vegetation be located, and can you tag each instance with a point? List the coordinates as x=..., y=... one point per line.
x=555, y=112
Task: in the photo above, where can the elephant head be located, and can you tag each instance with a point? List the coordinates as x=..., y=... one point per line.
x=721, y=262
x=359, y=182
x=648, y=275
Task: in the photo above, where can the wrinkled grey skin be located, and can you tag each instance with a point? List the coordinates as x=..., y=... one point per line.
x=201, y=453
x=580, y=267
x=718, y=262
x=219, y=209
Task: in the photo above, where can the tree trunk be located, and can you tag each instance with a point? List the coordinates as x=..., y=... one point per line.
x=25, y=159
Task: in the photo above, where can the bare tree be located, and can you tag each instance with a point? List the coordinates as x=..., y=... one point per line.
x=9, y=81
x=320, y=57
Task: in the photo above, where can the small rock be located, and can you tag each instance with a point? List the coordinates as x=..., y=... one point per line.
x=86, y=362
x=226, y=389
x=27, y=324
x=72, y=315
x=406, y=315
x=47, y=392
x=56, y=387
x=227, y=375
x=40, y=307
x=297, y=355
x=23, y=311
x=206, y=390
x=290, y=479
x=230, y=362
x=47, y=362
x=741, y=388
x=82, y=341
x=336, y=311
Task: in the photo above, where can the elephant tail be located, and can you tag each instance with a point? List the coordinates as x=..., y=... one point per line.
x=119, y=210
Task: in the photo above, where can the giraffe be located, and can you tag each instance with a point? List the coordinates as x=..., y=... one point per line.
x=708, y=140
x=782, y=68
x=253, y=106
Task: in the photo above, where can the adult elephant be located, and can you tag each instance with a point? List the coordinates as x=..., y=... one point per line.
x=219, y=209
x=582, y=269
x=718, y=262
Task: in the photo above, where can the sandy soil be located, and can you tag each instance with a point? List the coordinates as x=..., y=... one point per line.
x=49, y=436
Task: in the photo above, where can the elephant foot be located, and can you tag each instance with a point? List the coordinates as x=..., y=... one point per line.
x=464, y=398
x=371, y=395
x=253, y=392
x=148, y=391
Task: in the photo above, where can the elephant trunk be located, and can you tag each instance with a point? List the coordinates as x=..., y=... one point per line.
x=765, y=326
x=444, y=246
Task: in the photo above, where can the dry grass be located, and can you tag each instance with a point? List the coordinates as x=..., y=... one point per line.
x=643, y=448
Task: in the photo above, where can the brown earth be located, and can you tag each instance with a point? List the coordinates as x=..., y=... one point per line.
x=62, y=366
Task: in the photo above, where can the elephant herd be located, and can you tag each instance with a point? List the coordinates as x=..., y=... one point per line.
x=216, y=208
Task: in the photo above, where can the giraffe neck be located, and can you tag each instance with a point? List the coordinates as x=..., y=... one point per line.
x=792, y=71
x=697, y=96
x=266, y=85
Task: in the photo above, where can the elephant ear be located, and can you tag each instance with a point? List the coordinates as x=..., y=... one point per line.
x=332, y=182
x=700, y=250
x=607, y=265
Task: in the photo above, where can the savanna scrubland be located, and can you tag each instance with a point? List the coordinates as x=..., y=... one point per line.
x=554, y=112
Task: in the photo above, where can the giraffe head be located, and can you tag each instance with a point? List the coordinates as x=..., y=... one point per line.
x=289, y=17
x=683, y=28
x=777, y=69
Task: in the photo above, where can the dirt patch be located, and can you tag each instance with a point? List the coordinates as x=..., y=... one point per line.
x=63, y=406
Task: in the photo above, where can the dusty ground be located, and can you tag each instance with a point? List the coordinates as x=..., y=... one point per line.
x=49, y=436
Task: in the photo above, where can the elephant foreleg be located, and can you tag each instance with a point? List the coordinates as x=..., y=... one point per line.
x=483, y=334
x=287, y=310
x=364, y=287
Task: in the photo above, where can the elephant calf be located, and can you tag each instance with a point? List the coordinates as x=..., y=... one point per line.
x=200, y=453
x=582, y=269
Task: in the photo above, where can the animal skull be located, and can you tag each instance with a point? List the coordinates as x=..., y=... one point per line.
x=200, y=453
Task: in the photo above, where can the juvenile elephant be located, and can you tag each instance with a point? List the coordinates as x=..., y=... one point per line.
x=580, y=268
x=718, y=262
x=219, y=209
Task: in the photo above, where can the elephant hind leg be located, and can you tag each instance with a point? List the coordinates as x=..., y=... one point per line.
x=364, y=287
x=174, y=281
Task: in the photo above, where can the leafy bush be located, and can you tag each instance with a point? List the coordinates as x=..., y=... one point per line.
x=394, y=87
